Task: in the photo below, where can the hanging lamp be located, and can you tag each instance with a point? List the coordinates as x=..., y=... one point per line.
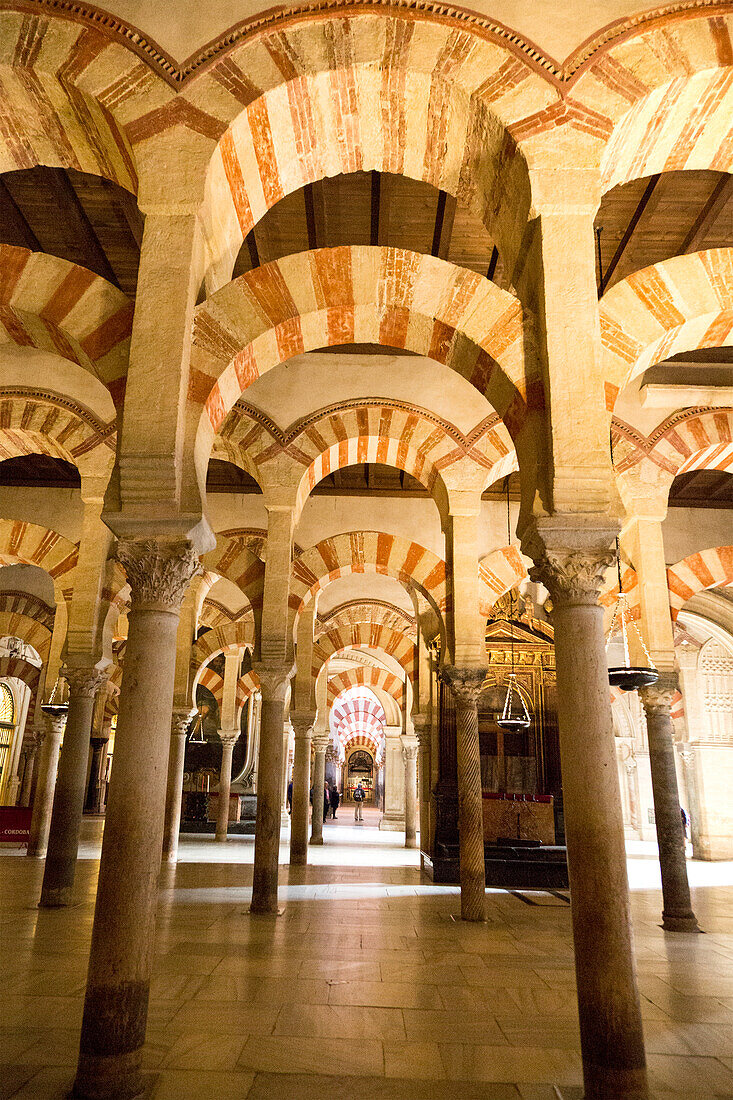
x=196, y=736
x=54, y=708
x=621, y=673
x=515, y=715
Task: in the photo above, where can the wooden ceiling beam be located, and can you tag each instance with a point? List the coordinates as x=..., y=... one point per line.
x=445, y=213
x=70, y=208
x=629, y=231
x=14, y=229
x=126, y=203
x=493, y=262
x=376, y=202
x=707, y=217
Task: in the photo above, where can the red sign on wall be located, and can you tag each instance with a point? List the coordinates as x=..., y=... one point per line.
x=15, y=824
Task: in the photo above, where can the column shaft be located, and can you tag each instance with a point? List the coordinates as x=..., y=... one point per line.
x=465, y=685
x=319, y=782
x=677, y=914
x=301, y=787
x=225, y=782
x=410, y=755
x=48, y=762
x=608, y=1001
x=92, y=803
x=174, y=788
x=273, y=683
x=123, y=936
x=68, y=802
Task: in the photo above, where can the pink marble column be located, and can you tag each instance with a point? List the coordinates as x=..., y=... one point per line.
x=68, y=801
x=123, y=936
x=466, y=684
x=274, y=680
x=48, y=762
x=612, y=1041
x=180, y=721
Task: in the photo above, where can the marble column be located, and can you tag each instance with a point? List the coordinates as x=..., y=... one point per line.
x=48, y=762
x=68, y=802
x=612, y=1043
x=123, y=935
x=409, y=753
x=302, y=724
x=677, y=914
x=93, y=800
x=228, y=741
x=466, y=684
x=632, y=787
x=180, y=721
x=320, y=744
x=423, y=734
x=29, y=752
x=274, y=680
x=393, y=816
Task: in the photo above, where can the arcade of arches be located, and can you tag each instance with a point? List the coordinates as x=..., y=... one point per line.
x=314, y=327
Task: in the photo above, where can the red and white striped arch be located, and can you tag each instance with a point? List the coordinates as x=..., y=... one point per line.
x=696, y=441
x=664, y=89
x=42, y=424
x=28, y=544
x=368, y=611
x=365, y=636
x=228, y=639
x=357, y=719
x=233, y=557
x=376, y=678
x=711, y=568
x=298, y=103
x=500, y=571
x=675, y=306
x=56, y=306
x=366, y=552
x=215, y=684
x=27, y=617
x=355, y=294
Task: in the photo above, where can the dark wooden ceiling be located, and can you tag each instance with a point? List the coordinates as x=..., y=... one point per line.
x=702, y=489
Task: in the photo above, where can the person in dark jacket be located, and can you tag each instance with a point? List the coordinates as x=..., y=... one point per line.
x=359, y=797
x=290, y=796
x=334, y=798
x=326, y=802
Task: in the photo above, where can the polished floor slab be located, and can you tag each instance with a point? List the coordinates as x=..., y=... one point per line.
x=367, y=983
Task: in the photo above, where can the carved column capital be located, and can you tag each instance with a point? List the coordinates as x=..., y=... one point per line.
x=180, y=720
x=572, y=577
x=321, y=741
x=410, y=747
x=302, y=721
x=53, y=727
x=658, y=697
x=158, y=571
x=274, y=679
x=465, y=684
x=229, y=738
x=84, y=680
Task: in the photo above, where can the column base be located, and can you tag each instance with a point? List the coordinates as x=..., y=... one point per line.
x=680, y=923
x=56, y=897
x=606, y=1083
x=317, y=840
x=392, y=824
x=110, y=1079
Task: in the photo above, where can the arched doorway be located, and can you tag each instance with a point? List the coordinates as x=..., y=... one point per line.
x=360, y=769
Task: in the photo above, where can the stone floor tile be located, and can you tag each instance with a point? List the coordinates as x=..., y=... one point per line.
x=438, y=1027
x=384, y=994
x=414, y=1061
x=693, y=1078
x=341, y=1022
x=204, y=1049
x=511, y=1064
x=12, y=1078
x=199, y=1085
x=292, y=1055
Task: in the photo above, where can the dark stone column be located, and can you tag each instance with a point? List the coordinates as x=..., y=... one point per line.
x=93, y=803
x=68, y=801
x=123, y=936
x=302, y=724
x=466, y=684
x=273, y=685
x=677, y=914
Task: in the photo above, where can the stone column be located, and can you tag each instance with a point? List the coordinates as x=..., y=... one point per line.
x=320, y=744
x=632, y=786
x=302, y=724
x=29, y=751
x=274, y=679
x=48, y=762
x=123, y=935
x=228, y=740
x=466, y=684
x=677, y=914
x=611, y=1035
x=180, y=721
x=92, y=803
x=287, y=733
x=423, y=734
x=68, y=802
x=393, y=816
x=409, y=753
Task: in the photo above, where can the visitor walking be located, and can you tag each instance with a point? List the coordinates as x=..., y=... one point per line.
x=358, y=800
x=334, y=798
x=326, y=802
x=290, y=797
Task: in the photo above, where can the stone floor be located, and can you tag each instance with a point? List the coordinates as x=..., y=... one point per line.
x=366, y=985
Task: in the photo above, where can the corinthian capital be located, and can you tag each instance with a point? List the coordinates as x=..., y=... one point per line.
x=465, y=683
x=274, y=679
x=658, y=697
x=302, y=722
x=84, y=680
x=158, y=571
x=572, y=576
x=180, y=720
